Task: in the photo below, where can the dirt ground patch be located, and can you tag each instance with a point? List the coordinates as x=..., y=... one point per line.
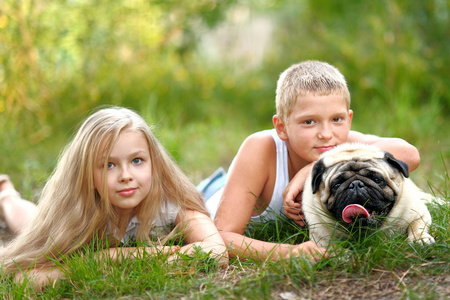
x=380, y=285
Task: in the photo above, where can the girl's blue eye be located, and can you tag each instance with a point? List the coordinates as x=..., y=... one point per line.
x=110, y=165
x=137, y=161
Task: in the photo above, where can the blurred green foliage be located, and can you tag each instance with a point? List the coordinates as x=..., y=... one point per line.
x=61, y=59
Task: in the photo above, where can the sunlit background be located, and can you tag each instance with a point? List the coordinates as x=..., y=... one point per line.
x=204, y=73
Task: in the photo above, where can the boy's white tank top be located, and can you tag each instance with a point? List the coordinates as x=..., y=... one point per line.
x=275, y=207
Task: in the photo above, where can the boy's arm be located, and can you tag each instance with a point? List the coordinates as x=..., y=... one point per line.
x=248, y=248
x=401, y=149
x=247, y=179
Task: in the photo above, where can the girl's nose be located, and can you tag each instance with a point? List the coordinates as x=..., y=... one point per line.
x=125, y=175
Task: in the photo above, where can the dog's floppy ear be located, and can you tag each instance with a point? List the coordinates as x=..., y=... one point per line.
x=317, y=172
x=397, y=164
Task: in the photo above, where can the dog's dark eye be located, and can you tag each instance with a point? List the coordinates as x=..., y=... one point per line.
x=379, y=180
x=335, y=187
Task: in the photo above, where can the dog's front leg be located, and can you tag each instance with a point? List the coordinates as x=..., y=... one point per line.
x=418, y=230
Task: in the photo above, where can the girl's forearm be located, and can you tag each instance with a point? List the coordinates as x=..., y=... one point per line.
x=120, y=254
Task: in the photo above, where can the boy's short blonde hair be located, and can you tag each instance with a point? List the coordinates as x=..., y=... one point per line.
x=308, y=77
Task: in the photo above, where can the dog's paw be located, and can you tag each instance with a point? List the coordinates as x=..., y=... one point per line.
x=427, y=239
x=424, y=239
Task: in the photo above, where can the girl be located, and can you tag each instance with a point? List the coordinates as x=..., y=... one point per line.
x=115, y=181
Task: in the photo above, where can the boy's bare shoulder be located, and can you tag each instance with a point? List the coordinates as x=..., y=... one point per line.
x=260, y=139
x=253, y=167
x=259, y=145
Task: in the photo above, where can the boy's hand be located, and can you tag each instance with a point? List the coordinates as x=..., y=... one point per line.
x=293, y=208
x=308, y=249
x=292, y=195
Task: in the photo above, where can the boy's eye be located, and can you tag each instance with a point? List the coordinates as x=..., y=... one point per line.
x=137, y=161
x=308, y=122
x=337, y=119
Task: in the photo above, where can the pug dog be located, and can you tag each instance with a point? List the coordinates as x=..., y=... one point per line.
x=357, y=186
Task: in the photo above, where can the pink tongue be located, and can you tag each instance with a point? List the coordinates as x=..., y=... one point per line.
x=352, y=211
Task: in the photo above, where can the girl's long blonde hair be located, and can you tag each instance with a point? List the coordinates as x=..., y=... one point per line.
x=71, y=212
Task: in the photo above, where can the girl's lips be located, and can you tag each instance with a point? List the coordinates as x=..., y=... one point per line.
x=325, y=148
x=127, y=192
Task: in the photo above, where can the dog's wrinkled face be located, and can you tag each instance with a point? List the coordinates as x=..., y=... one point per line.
x=359, y=192
x=356, y=188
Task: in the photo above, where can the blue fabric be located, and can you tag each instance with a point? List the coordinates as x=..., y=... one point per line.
x=213, y=183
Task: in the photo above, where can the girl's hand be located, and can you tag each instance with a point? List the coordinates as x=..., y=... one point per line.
x=292, y=195
x=38, y=278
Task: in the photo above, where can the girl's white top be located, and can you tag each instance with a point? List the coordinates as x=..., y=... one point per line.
x=167, y=216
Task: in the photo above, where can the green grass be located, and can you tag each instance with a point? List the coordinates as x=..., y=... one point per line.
x=369, y=265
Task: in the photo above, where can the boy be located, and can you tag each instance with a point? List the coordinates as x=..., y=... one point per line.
x=313, y=116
